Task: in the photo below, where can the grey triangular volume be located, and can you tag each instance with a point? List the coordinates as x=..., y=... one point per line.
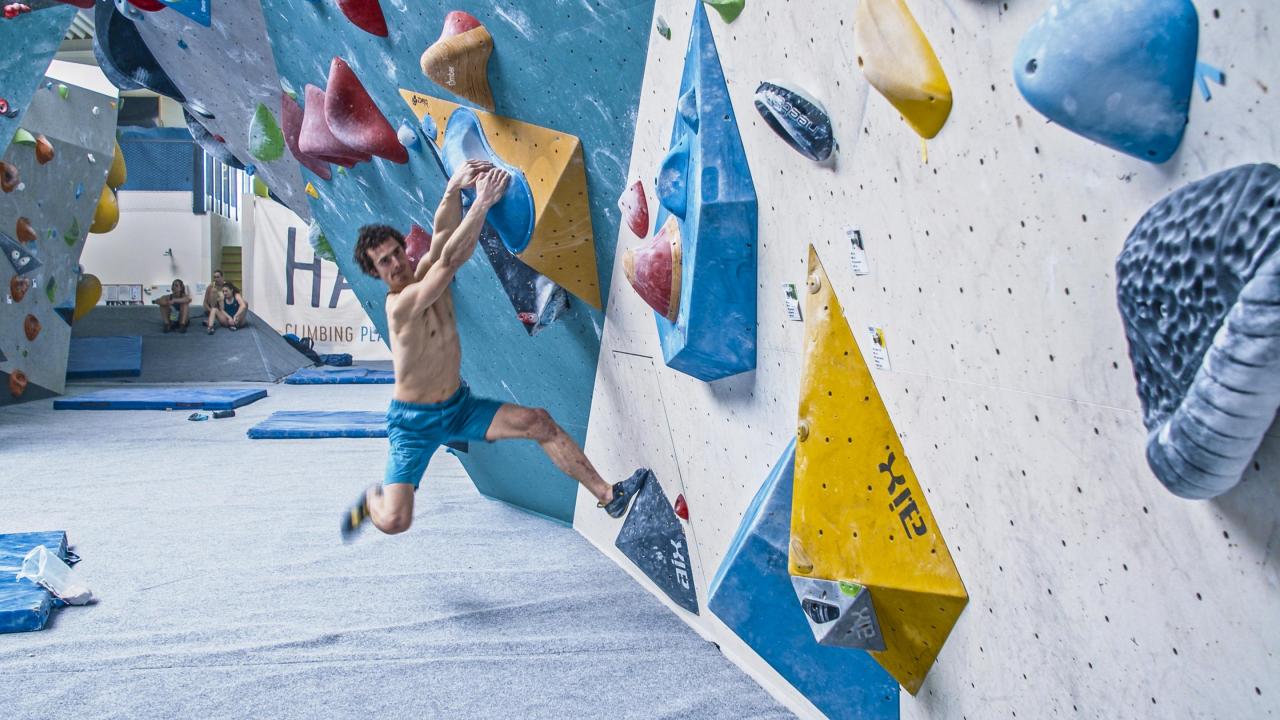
x=654, y=540
x=839, y=614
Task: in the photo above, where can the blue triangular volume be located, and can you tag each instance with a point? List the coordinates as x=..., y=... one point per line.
x=66, y=312
x=1119, y=74
x=653, y=538
x=706, y=183
x=752, y=593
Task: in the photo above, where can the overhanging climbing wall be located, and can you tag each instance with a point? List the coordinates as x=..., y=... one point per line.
x=991, y=271
x=45, y=218
x=572, y=68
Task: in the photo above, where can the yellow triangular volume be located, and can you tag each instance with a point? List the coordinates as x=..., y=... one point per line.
x=562, y=246
x=899, y=62
x=858, y=513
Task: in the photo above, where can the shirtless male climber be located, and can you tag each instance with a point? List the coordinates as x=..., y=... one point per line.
x=431, y=405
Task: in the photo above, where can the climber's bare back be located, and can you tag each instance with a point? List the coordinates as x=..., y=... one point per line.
x=424, y=349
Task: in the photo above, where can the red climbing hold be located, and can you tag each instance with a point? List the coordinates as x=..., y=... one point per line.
x=654, y=270
x=355, y=120
x=635, y=209
x=13, y=10
x=317, y=140
x=417, y=243
x=31, y=326
x=44, y=150
x=17, y=383
x=291, y=125
x=458, y=22
x=9, y=177
x=366, y=15
x=82, y=4
x=18, y=287
x=148, y=5
x=25, y=232
x=682, y=507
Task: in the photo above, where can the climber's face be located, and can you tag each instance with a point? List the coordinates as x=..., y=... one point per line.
x=392, y=264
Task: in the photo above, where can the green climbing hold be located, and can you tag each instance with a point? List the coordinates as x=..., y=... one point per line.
x=663, y=28
x=51, y=289
x=729, y=9
x=259, y=187
x=320, y=244
x=266, y=142
x=63, y=91
x=22, y=136
x=72, y=235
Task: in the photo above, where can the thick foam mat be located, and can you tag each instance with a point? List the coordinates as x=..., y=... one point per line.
x=161, y=398
x=25, y=606
x=341, y=376
x=99, y=357
x=308, y=424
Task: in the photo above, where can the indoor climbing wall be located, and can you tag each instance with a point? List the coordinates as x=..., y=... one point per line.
x=228, y=78
x=970, y=237
x=575, y=70
x=54, y=174
x=30, y=41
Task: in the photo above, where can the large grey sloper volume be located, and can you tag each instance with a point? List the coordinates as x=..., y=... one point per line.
x=653, y=538
x=1198, y=283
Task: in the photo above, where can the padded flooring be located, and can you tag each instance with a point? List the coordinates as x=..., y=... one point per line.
x=225, y=591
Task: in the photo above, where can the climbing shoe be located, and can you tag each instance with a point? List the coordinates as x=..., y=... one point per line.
x=624, y=492
x=355, y=516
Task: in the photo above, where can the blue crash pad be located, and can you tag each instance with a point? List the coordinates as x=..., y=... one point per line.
x=706, y=183
x=753, y=595
x=161, y=398
x=341, y=376
x=306, y=424
x=97, y=357
x=1118, y=72
x=24, y=605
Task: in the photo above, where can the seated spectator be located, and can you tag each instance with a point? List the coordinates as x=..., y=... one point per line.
x=232, y=312
x=213, y=293
x=176, y=303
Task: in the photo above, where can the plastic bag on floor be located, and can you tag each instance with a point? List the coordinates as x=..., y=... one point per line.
x=50, y=572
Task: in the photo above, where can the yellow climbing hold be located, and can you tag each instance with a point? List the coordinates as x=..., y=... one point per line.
x=311, y=190
x=858, y=513
x=260, y=188
x=562, y=247
x=107, y=215
x=118, y=174
x=899, y=62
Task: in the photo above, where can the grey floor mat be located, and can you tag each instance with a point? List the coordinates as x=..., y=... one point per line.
x=226, y=593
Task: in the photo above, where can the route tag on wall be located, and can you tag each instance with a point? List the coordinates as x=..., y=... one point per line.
x=793, y=302
x=879, y=352
x=857, y=252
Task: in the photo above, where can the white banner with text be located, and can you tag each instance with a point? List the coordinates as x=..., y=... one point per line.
x=298, y=292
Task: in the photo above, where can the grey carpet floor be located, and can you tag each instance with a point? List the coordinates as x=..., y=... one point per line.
x=225, y=592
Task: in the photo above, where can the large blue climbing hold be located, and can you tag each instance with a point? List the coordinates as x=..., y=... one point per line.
x=1199, y=290
x=753, y=595
x=706, y=184
x=1117, y=72
x=513, y=216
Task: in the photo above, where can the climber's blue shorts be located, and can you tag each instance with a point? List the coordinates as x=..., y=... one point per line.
x=416, y=430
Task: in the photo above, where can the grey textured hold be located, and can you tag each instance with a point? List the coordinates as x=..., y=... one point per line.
x=653, y=538
x=840, y=619
x=1199, y=291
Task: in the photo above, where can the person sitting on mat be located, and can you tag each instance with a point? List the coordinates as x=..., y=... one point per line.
x=177, y=302
x=431, y=405
x=213, y=293
x=232, y=312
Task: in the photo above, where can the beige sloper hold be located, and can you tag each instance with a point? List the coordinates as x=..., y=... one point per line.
x=459, y=59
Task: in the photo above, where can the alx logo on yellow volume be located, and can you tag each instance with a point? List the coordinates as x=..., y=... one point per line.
x=903, y=503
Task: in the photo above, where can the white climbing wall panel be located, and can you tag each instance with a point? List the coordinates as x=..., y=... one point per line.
x=1094, y=591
